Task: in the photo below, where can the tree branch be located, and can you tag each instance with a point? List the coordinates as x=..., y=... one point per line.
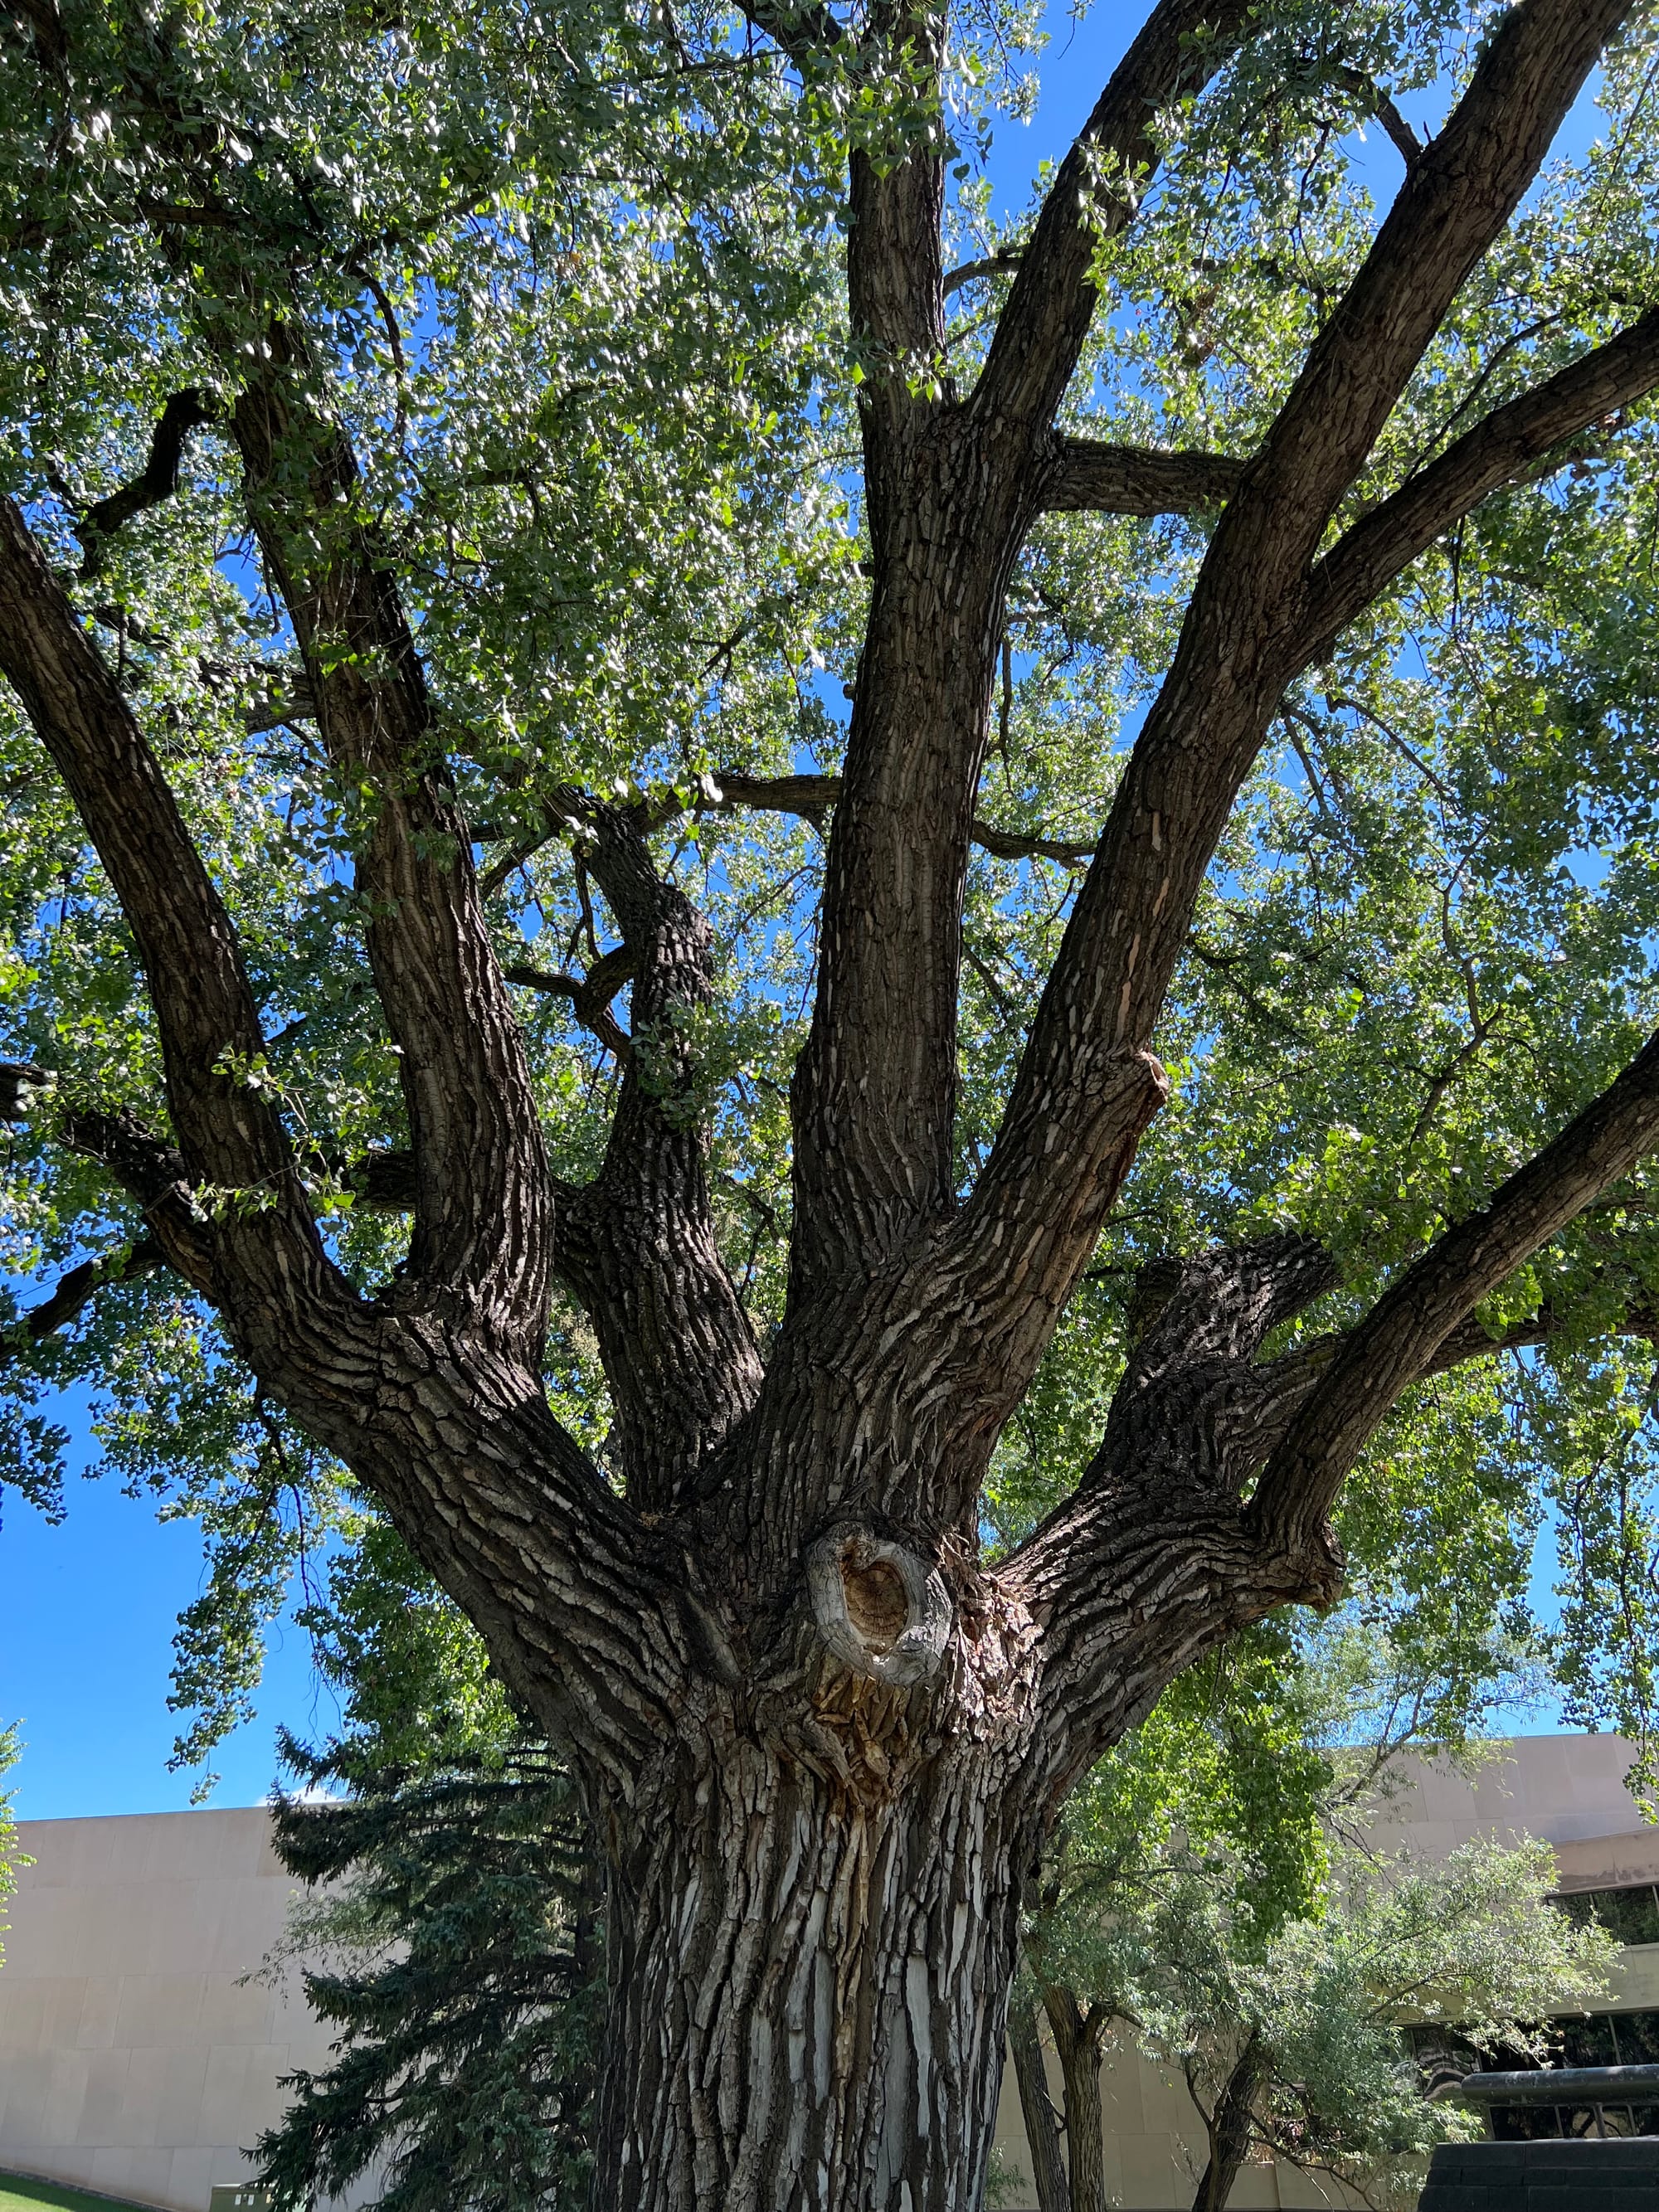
x=1085, y=476
x=1087, y=1083
x=76, y=1291
x=812, y=796
x=1409, y=1328
x=992, y=264
x=1456, y=199
x=1041, y=330
x=637, y=1245
x=590, y=995
x=481, y=1240
x=229, y=1137
x=805, y=33
x=1149, y=1562
x=1499, y=450
x=158, y=480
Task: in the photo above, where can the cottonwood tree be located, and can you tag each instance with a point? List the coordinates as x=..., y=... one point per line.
x=502, y=339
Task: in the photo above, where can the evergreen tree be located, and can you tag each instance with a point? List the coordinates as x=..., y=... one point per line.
x=467, y=1990
x=450, y=1935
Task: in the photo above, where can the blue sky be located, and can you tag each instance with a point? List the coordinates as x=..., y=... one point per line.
x=88, y=1609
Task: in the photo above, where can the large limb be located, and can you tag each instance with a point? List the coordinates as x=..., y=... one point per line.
x=1086, y=475
x=230, y=1139
x=479, y=1254
x=455, y=1436
x=951, y=490
x=1149, y=1564
x=1042, y=329
x=1498, y=451
x=1408, y=1334
x=637, y=1246
x=1197, y=1422
x=1087, y=1083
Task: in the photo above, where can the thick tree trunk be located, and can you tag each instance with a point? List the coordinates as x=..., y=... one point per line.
x=809, y=1985
x=1037, y=2107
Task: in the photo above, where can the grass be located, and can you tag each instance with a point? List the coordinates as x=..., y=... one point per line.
x=18, y=2195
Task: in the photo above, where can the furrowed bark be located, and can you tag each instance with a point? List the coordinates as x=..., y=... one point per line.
x=229, y=1138
x=951, y=491
x=1077, y=2029
x=449, y=1431
x=1087, y=1085
x=811, y=1941
x=1231, y=2129
x=480, y=1241
x=1086, y=475
x=1152, y=1561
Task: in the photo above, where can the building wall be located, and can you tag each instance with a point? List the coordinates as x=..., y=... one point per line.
x=136, y=2057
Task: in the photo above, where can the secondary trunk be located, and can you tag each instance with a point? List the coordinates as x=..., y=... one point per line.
x=1230, y=2128
x=809, y=1982
x=1077, y=2028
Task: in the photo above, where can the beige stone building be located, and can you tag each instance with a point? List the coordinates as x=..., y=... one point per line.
x=137, y=2058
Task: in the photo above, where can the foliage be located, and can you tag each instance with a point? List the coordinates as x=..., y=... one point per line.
x=448, y=1930
x=1473, y=1941
x=1200, y=1866
x=10, y=1858
x=569, y=278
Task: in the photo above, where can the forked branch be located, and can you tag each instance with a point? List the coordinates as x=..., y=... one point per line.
x=1079, y=1105
x=156, y=483
x=1041, y=330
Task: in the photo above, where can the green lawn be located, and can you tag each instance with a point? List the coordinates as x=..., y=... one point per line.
x=17, y=2195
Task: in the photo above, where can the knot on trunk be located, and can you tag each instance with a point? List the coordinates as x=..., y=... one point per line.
x=882, y=1611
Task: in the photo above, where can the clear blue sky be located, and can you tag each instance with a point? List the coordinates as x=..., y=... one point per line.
x=88, y=1609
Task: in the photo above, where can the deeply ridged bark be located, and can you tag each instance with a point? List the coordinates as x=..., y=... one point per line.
x=808, y=1985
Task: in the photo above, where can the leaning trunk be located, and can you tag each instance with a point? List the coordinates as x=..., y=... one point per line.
x=1037, y=2108
x=809, y=1982
x=1230, y=2128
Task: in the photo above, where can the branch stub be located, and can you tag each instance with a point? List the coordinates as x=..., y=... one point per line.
x=881, y=1610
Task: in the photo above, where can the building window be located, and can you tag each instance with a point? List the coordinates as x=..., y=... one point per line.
x=1631, y=1915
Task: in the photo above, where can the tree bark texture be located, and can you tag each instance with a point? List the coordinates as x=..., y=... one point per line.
x=808, y=1981
x=821, y=1742
x=1231, y=2129
x=1077, y=2032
